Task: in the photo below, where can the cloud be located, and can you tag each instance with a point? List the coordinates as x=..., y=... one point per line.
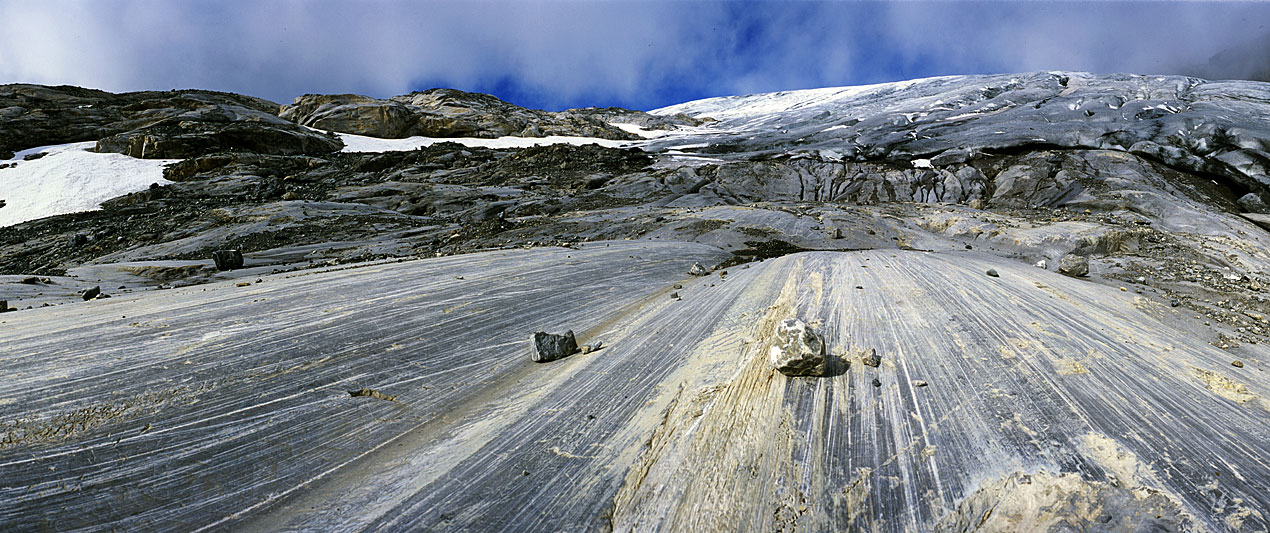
x=555, y=54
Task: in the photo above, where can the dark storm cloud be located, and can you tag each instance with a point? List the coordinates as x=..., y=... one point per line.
x=637, y=54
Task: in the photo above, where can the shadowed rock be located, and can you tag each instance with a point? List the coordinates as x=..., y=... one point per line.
x=227, y=259
x=547, y=347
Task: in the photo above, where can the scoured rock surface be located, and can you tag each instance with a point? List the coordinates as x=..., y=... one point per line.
x=680, y=401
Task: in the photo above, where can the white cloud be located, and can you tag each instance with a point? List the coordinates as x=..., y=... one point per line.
x=572, y=52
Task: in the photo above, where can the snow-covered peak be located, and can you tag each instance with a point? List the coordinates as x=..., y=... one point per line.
x=732, y=107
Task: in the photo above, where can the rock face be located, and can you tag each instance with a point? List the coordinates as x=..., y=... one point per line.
x=547, y=347
x=36, y=115
x=797, y=350
x=446, y=113
x=218, y=129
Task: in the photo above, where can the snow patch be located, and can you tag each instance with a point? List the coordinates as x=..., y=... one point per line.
x=922, y=163
x=636, y=129
x=70, y=179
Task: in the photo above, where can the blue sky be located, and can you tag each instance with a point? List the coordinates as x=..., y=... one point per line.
x=642, y=55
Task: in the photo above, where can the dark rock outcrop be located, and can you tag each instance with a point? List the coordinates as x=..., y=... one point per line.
x=218, y=129
x=37, y=115
x=443, y=113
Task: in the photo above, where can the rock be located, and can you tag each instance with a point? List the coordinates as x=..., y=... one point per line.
x=919, y=383
x=35, y=115
x=674, y=296
x=1252, y=202
x=1041, y=264
x=218, y=129
x=31, y=280
x=877, y=382
x=4, y=306
x=371, y=393
x=992, y=273
x=872, y=359
x=588, y=348
x=698, y=270
x=547, y=347
x=797, y=350
x=89, y=294
x=442, y=113
x=1073, y=265
x=1237, y=364
x=227, y=259
x=677, y=286
x=77, y=240
x=1175, y=302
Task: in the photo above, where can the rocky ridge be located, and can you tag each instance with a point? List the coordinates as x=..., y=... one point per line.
x=454, y=113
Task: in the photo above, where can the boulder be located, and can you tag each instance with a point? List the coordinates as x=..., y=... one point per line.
x=1073, y=265
x=1252, y=202
x=547, y=347
x=797, y=350
x=698, y=270
x=227, y=259
x=91, y=293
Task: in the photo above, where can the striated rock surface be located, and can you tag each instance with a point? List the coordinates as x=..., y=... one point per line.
x=453, y=113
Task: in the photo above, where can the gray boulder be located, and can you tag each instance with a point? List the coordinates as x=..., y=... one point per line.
x=547, y=347
x=1073, y=265
x=1253, y=203
x=797, y=350
x=698, y=270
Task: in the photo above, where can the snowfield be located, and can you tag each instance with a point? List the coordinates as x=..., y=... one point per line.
x=732, y=107
x=70, y=179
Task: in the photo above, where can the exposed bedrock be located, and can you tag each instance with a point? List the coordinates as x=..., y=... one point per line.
x=1208, y=127
x=1054, y=401
x=36, y=115
x=453, y=113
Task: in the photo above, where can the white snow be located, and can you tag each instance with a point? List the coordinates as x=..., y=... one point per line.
x=71, y=179
x=639, y=130
x=731, y=107
x=922, y=163
x=361, y=143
